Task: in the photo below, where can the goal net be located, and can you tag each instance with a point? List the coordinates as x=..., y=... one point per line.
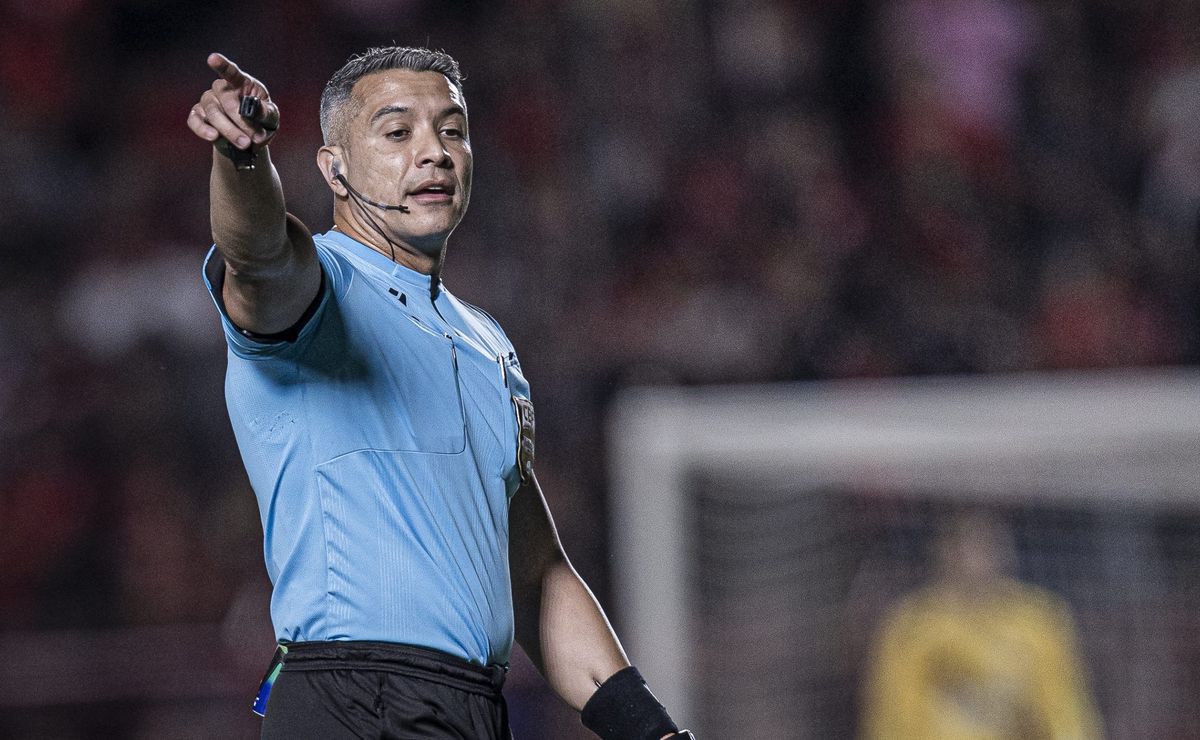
x=761, y=534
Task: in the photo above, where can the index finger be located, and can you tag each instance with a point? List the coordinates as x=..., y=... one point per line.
x=225, y=67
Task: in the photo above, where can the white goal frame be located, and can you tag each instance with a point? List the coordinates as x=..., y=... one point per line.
x=1124, y=436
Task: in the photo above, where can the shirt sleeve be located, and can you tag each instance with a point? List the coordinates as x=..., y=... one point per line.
x=1061, y=692
x=249, y=346
x=896, y=687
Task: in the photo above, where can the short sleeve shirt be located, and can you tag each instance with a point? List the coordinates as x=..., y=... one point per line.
x=382, y=447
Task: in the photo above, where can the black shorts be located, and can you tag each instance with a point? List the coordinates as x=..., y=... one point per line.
x=382, y=690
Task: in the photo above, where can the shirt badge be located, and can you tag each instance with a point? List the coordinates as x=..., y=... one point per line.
x=525, y=447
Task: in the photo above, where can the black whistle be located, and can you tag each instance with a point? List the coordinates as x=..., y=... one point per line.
x=249, y=108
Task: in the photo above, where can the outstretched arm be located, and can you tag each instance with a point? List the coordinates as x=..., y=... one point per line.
x=271, y=269
x=564, y=631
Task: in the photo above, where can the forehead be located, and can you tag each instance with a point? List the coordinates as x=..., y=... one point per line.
x=419, y=92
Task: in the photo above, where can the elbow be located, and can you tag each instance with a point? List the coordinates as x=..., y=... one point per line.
x=536, y=573
x=255, y=261
x=258, y=255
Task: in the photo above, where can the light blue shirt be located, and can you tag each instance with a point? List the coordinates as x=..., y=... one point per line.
x=381, y=445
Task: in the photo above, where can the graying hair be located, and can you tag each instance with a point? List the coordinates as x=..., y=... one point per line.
x=336, y=110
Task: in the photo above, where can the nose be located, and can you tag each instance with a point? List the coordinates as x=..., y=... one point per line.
x=429, y=149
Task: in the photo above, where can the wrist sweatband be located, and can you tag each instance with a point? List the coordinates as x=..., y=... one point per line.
x=624, y=709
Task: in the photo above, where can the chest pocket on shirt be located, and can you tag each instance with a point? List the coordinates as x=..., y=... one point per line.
x=486, y=396
x=378, y=378
x=428, y=400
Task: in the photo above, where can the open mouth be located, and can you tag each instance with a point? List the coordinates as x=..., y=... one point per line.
x=432, y=192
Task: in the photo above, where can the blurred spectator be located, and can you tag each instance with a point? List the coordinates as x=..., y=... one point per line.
x=976, y=654
x=49, y=508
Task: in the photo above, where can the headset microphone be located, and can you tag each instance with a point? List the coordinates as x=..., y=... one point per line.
x=385, y=206
x=360, y=199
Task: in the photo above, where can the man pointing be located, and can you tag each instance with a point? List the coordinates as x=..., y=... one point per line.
x=387, y=430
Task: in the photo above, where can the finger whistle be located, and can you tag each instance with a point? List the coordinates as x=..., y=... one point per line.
x=249, y=108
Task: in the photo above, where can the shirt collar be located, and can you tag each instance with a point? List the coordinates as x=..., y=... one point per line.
x=380, y=261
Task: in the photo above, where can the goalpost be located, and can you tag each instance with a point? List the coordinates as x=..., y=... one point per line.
x=751, y=555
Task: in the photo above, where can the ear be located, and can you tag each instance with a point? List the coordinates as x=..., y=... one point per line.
x=329, y=161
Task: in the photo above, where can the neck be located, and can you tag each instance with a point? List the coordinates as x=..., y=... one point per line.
x=402, y=253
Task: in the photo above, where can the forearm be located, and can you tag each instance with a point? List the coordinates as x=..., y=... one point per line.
x=249, y=224
x=271, y=270
x=566, y=634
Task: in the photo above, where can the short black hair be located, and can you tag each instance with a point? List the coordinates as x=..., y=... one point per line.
x=335, y=112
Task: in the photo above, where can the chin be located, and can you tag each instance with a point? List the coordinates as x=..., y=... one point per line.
x=437, y=225
x=428, y=241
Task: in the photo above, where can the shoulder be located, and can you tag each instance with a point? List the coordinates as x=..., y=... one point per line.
x=335, y=261
x=1037, y=606
x=915, y=607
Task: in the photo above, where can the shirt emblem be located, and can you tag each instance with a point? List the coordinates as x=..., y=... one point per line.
x=525, y=447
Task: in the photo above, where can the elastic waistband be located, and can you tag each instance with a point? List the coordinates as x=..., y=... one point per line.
x=391, y=657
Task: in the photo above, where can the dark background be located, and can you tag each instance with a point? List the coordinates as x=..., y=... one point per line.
x=666, y=193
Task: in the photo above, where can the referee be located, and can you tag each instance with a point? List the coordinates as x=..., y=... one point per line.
x=387, y=430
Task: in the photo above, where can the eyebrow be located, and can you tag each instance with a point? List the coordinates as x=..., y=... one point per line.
x=389, y=109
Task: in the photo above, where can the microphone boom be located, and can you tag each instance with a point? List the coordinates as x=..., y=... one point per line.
x=396, y=207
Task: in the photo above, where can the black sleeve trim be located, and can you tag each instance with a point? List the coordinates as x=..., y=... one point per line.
x=290, y=334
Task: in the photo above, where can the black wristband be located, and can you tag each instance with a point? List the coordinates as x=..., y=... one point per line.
x=624, y=709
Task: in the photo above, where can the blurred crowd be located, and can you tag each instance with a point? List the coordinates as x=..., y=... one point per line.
x=680, y=192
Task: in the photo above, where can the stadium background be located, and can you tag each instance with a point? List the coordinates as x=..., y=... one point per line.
x=666, y=193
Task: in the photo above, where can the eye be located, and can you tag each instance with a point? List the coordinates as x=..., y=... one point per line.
x=452, y=132
x=399, y=133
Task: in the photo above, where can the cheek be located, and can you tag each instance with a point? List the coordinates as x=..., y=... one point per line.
x=465, y=168
x=387, y=162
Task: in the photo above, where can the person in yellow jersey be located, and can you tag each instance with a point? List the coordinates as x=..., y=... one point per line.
x=976, y=654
